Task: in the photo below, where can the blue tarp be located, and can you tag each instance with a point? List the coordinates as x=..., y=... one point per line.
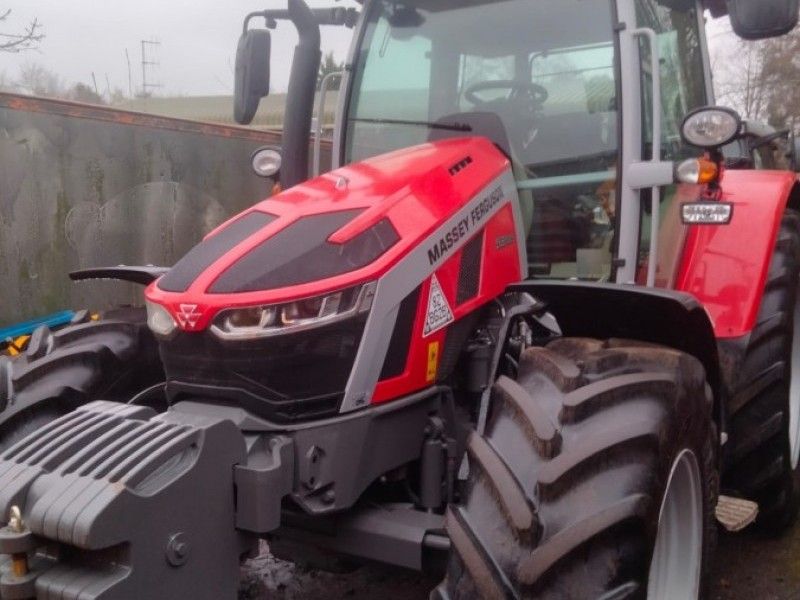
x=27, y=327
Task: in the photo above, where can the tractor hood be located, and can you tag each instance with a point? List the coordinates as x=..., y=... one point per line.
x=342, y=229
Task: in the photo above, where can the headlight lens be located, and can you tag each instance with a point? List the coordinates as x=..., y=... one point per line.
x=278, y=319
x=711, y=127
x=159, y=320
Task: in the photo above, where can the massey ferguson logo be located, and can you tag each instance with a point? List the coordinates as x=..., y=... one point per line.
x=188, y=315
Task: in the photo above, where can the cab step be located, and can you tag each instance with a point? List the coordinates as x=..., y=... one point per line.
x=734, y=514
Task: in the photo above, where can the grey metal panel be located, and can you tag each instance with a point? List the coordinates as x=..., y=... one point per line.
x=629, y=202
x=325, y=465
x=393, y=534
x=86, y=186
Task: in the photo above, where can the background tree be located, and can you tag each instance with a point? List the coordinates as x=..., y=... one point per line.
x=761, y=79
x=329, y=65
x=26, y=38
x=36, y=80
x=6, y=83
x=80, y=92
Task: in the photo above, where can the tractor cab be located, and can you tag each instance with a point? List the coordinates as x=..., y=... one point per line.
x=550, y=81
x=574, y=92
x=550, y=71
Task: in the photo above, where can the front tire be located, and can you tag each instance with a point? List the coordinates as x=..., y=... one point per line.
x=593, y=461
x=112, y=358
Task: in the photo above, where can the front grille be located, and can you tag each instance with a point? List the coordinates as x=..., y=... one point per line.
x=285, y=379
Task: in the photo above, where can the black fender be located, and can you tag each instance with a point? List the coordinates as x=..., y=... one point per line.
x=666, y=317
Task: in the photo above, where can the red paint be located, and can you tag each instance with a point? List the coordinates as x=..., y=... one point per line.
x=725, y=267
x=412, y=187
x=499, y=268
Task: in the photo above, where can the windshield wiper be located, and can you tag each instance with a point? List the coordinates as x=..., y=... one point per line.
x=429, y=125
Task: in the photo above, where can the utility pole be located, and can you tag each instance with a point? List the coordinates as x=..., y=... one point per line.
x=148, y=61
x=130, y=78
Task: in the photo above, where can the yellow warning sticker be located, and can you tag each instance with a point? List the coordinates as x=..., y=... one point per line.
x=433, y=361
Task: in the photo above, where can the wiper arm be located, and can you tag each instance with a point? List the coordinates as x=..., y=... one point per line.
x=429, y=125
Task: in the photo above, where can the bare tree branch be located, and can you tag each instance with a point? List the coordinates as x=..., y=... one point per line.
x=27, y=39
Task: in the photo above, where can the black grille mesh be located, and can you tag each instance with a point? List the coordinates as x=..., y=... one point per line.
x=469, y=277
x=284, y=379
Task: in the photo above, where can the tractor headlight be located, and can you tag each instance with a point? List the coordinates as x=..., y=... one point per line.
x=266, y=161
x=159, y=320
x=278, y=319
x=711, y=127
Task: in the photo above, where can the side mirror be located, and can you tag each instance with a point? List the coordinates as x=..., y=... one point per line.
x=252, y=73
x=761, y=19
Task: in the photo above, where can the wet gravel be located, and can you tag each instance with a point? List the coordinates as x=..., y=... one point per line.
x=747, y=567
x=751, y=567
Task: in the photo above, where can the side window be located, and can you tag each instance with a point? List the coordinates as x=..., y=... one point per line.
x=683, y=89
x=398, y=74
x=682, y=75
x=394, y=80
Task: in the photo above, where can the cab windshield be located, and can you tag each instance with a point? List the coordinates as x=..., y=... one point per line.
x=546, y=68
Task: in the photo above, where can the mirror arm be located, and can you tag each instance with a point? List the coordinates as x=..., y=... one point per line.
x=766, y=139
x=337, y=16
x=270, y=16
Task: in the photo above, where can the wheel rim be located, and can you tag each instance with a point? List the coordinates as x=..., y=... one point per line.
x=794, y=391
x=678, y=553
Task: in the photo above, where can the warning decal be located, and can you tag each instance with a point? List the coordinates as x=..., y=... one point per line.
x=438, y=314
x=433, y=361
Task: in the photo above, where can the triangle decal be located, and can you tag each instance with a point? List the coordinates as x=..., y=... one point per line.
x=439, y=314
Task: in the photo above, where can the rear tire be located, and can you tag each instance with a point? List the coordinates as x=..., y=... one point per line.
x=762, y=416
x=566, y=488
x=113, y=358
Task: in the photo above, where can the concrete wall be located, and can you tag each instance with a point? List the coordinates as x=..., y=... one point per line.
x=84, y=186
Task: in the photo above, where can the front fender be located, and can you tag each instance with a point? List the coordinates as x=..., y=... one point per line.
x=725, y=266
x=606, y=310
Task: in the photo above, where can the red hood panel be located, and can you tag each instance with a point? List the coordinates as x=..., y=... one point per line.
x=417, y=189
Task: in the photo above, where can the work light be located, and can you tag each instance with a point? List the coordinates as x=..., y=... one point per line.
x=711, y=127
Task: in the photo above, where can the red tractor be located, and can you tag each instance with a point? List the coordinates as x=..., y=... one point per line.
x=525, y=330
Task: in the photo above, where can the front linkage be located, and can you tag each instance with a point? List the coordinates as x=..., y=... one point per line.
x=119, y=502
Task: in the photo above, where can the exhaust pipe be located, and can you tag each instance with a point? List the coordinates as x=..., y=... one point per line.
x=300, y=98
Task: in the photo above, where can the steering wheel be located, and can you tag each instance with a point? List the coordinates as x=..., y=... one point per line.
x=536, y=94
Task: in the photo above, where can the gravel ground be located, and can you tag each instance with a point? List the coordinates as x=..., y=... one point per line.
x=747, y=567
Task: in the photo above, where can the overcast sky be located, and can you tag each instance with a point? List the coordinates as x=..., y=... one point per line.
x=198, y=41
